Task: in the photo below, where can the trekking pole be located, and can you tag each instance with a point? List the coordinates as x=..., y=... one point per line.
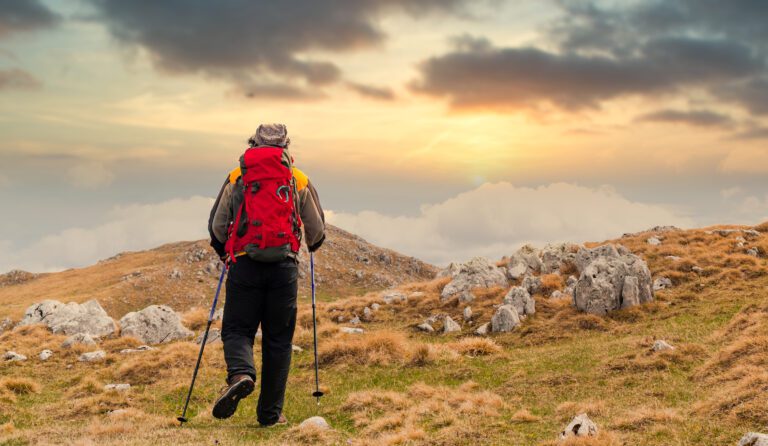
x=183, y=418
x=317, y=393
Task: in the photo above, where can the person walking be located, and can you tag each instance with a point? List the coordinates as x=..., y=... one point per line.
x=256, y=228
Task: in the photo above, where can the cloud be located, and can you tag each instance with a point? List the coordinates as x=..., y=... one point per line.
x=753, y=94
x=25, y=15
x=700, y=118
x=754, y=132
x=477, y=74
x=731, y=192
x=16, y=79
x=90, y=175
x=128, y=228
x=749, y=160
x=494, y=219
x=380, y=93
x=256, y=42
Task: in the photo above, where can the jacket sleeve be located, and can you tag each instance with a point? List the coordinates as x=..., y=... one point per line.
x=221, y=215
x=312, y=217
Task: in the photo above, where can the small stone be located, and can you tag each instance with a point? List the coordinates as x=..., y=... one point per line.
x=754, y=439
x=45, y=354
x=175, y=274
x=12, y=356
x=355, y=321
x=661, y=345
x=467, y=313
x=317, y=422
x=351, y=330
x=697, y=269
x=754, y=252
x=98, y=355
x=375, y=306
x=79, y=338
x=141, y=348
x=117, y=387
x=116, y=412
x=425, y=327
x=581, y=426
x=505, y=319
x=661, y=283
x=218, y=315
x=367, y=313
x=416, y=295
x=340, y=318
x=673, y=258
x=653, y=241
x=520, y=298
x=214, y=335
x=5, y=325
x=450, y=326
x=571, y=281
x=557, y=294
x=296, y=349
x=393, y=296
x=483, y=329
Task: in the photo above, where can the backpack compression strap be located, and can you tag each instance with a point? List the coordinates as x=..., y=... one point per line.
x=301, y=178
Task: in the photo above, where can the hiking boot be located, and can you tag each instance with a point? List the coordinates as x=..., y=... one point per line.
x=280, y=421
x=240, y=386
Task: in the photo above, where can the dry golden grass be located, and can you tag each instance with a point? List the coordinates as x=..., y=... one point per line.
x=550, y=283
x=645, y=417
x=149, y=367
x=567, y=410
x=195, y=319
x=20, y=386
x=603, y=438
x=525, y=416
x=683, y=356
x=378, y=348
x=476, y=346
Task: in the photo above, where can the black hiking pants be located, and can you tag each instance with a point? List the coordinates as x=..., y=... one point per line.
x=261, y=294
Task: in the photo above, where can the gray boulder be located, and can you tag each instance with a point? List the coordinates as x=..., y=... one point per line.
x=477, y=273
x=653, y=241
x=79, y=338
x=122, y=387
x=214, y=335
x=519, y=298
x=532, y=284
x=613, y=282
x=661, y=345
x=425, y=327
x=39, y=312
x=467, y=313
x=449, y=271
x=661, y=283
x=393, y=296
x=580, y=426
x=754, y=439
x=524, y=261
x=585, y=256
x=98, y=355
x=505, y=319
x=5, y=325
x=154, y=325
x=315, y=422
x=483, y=329
x=351, y=330
x=450, y=326
x=87, y=318
x=554, y=256
x=45, y=355
x=12, y=356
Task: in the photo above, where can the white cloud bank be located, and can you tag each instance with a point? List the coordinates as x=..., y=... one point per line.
x=129, y=228
x=494, y=219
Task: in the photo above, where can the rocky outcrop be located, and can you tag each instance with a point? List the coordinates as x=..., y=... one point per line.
x=72, y=318
x=613, y=279
x=532, y=284
x=519, y=298
x=98, y=355
x=505, y=319
x=155, y=324
x=556, y=256
x=79, y=338
x=477, y=273
x=39, y=312
x=580, y=426
x=523, y=262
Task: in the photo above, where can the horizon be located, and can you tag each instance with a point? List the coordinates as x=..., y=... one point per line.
x=441, y=129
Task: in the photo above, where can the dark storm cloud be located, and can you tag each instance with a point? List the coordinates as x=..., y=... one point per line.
x=373, y=92
x=701, y=118
x=24, y=15
x=593, y=54
x=16, y=79
x=230, y=38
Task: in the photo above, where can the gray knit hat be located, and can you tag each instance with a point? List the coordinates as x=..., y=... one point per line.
x=270, y=135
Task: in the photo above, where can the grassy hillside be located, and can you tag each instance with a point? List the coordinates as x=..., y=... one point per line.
x=395, y=385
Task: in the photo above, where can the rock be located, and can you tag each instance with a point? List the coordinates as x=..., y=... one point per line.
x=483, y=329
x=505, y=319
x=375, y=306
x=355, y=321
x=555, y=256
x=212, y=268
x=175, y=274
x=39, y=312
x=571, y=281
x=214, y=335
x=351, y=330
x=661, y=283
x=532, y=284
x=98, y=355
x=612, y=282
x=218, y=315
x=673, y=258
x=581, y=426
x=653, y=241
x=517, y=270
x=45, y=355
x=87, y=318
x=296, y=349
x=519, y=298
x=393, y=296
x=154, y=325
x=450, y=326
x=367, y=313
x=661, y=345
x=425, y=327
x=449, y=271
x=416, y=295
x=557, y=294
x=697, y=269
x=754, y=252
x=466, y=296
x=753, y=439
x=12, y=356
x=477, y=273
x=141, y=348
x=316, y=422
x=5, y=325
x=118, y=387
x=585, y=256
x=78, y=338
x=524, y=261
x=117, y=412
x=340, y=318
x=750, y=233
x=467, y=313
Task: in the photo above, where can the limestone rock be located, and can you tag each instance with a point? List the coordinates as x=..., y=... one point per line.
x=519, y=298
x=612, y=282
x=87, y=318
x=39, y=312
x=653, y=241
x=393, y=296
x=467, y=313
x=585, y=256
x=466, y=296
x=78, y=338
x=122, y=387
x=581, y=426
x=754, y=439
x=139, y=349
x=450, y=326
x=154, y=325
x=296, y=349
x=555, y=256
x=355, y=321
x=660, y=345
x=532, y=284
x=449, y=271
x=98, y=355
x=483, y=329
x=375, y=306
x=557, y=294
x=661, y=283
x=5, y=325
x=505, y=319
x=316, y=422
x=214, y=335
x=477, y=273
x=45, y=355
x=12, y=356
x=351, y=330
x=524, y=261
x=425, y=327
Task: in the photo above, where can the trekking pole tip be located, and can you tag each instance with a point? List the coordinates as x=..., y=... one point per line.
x=181, y=421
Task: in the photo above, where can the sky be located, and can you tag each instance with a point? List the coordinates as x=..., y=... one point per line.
x=443, y=129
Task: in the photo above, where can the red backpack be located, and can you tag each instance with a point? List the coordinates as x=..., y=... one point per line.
x=266, y=224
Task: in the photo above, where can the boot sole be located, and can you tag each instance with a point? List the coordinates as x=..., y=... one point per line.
x=226, y=405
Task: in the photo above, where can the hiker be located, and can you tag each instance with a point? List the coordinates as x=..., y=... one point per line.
x=256, y=228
